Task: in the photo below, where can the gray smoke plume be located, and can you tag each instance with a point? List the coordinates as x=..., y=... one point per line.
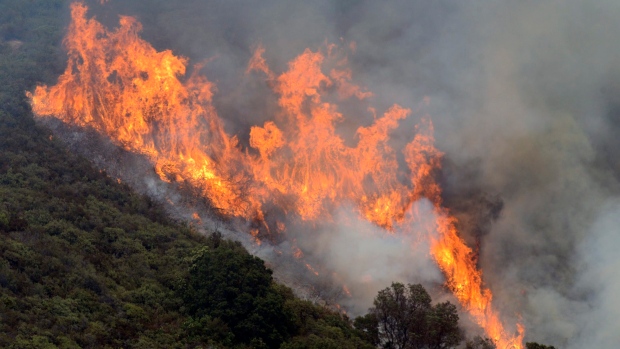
x=365, y=258
x=525, y=99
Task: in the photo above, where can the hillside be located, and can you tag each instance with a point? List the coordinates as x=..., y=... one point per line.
x=87, y=262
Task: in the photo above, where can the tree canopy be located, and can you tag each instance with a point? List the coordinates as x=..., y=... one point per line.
x=407, y=320
x=227, y=285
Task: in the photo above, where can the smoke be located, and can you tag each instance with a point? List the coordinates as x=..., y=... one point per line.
x=542, y=133
x=601, y=280
x=525, y=99
x=366, y=259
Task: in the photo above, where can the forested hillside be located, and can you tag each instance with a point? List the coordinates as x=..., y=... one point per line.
x=86, y=262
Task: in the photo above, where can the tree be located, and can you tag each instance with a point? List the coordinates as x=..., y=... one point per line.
x=368, y=325
x=442, y=327
x=406, y=319
x=400, y=313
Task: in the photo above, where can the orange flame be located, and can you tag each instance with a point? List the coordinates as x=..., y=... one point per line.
x=346, y=291
x=297, y=252
x=254, y=233
x=121, y=86
x=312, y=269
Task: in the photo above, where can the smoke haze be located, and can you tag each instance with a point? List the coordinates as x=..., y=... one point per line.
x=525, y=99
x=366, y=259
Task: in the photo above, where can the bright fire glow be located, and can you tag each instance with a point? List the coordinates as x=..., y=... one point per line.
x=121, y=86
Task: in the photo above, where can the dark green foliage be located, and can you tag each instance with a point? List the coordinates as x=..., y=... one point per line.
x=369, y=327
x=232, y=301
x=406, y=319
x=401, y=314
x=442, y=329
x=534, y=345
x=227, y=288
x=318, y=327
x=84, y=262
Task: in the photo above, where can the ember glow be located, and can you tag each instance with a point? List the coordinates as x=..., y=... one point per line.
x=119, y=85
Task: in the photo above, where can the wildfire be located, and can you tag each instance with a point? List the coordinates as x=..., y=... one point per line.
x=346, y=291
x=255, y=233
x=118, y=84
x=312, y=269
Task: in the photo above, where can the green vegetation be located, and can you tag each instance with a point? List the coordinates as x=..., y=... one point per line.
x=228, y=289
x=232, y=300
x=84, y=261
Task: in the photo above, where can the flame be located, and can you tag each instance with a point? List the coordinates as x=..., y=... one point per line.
x=346, y=291
x=119, y=85
x=312, y=269
x=297, y=252
x=254, y=233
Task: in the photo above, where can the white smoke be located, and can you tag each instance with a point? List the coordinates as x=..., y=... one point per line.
x=367, y=259
x=600, y=281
